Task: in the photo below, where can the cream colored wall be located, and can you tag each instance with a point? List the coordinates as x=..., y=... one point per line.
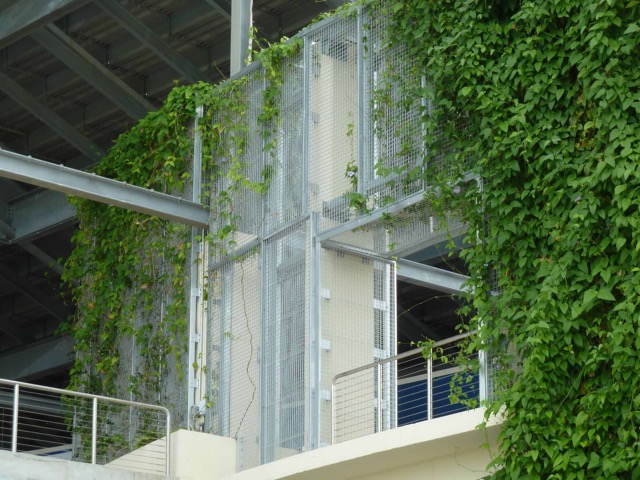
x=464, y=465
x=200, y=456
x=334, y=129
x=347, y=322
x=244, y=372
x=448, y=448
x=194, y=456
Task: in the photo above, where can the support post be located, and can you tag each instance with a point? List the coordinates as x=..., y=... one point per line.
x=241, y=20
x=430, y=385
x=14, y=425
x=94, y=431
x=194, y=299
x=379, y=396
x=314, y=340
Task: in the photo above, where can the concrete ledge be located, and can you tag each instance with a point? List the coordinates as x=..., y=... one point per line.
x=450, y=447
x=23, y=466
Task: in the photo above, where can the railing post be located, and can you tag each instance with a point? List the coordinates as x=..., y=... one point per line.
x=168, y=445
x=14, y=425
x=379, y=385
x=430, y=385
x=94, y=431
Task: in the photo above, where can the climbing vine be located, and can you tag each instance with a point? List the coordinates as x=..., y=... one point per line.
x=544, y=98
x=531, y=136
x=134, y=268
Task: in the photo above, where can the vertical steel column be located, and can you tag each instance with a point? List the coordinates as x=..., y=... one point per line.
x=14, y=425
x=196, y=294
x=94, y=431
x=306, y=127
x=241, y=19
x=315, y=407
x=430, y=385
x=363, y=164
x=379, y=395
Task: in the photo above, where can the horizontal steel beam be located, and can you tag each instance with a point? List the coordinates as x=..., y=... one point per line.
x=430, y=277
x=21, y=18
x=99, y=76
x=101, y=189
x=151, y=40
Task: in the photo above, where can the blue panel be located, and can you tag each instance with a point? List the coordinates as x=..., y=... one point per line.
x=412, y=399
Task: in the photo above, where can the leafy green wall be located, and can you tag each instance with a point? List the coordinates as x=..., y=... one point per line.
x=542, y=98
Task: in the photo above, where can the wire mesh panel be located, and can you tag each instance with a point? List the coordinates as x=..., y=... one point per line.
x=392, y=128
x=234, y=337
x=285, y=403
x=402, y=233
x=358, y=319
x=233, y=201
x=333, y=123
x=285, y=161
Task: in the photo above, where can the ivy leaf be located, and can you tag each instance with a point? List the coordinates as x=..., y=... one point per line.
x=605, y=294
x=632, y=28
x=590, y=295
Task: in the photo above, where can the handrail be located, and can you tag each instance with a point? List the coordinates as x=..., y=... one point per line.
x=95, y=398
x=378, y=366
x=400, y=356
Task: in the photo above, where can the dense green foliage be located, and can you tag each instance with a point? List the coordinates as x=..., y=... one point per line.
x=544, y=97
x=134, y=268
x=540, y=100
x=130, y=263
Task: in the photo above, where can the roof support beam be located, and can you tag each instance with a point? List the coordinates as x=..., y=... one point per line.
x=23, y=17
x=56, y=309
x=7, y=231
x=151, y=40
x=101, y=189
x=430, y=277
x=221, y=7
x=85, y=65
x=43, y=256
x=54, y=121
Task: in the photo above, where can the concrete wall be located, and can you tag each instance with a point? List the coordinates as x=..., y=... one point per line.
x=445, y=448
x=22, y=466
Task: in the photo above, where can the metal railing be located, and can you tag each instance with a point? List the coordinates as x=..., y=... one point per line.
x=404, y=389
x=87, y=428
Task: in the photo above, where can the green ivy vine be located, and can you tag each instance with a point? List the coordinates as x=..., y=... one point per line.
x=128, y=272
x=541, y=100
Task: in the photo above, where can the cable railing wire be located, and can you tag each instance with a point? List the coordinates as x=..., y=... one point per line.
x=92, y=428
x=407, y=388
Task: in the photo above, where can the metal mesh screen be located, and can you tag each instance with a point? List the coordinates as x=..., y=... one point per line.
x=333, y=123
x=390, y=107
x=233, y=373
x=358, y=314
x=284, y=365
x=235, y=203
x=285, y=200
x=410, y=230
